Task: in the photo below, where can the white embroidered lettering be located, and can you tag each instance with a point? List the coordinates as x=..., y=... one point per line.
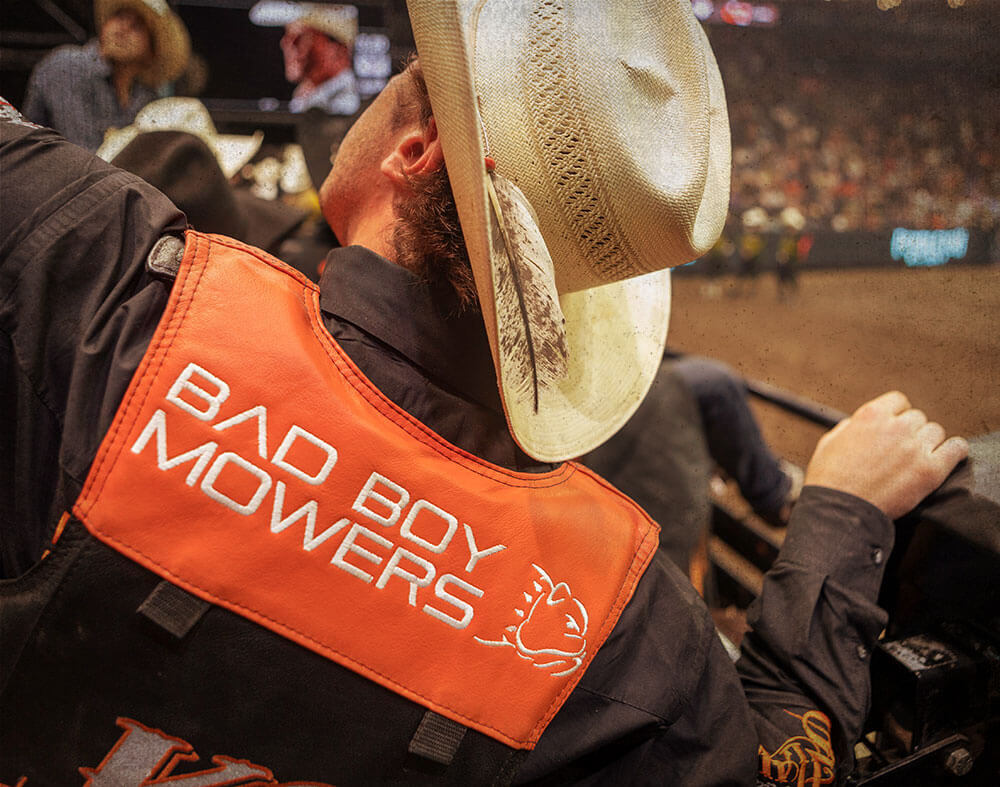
x=349, y=545
x=263, y=483
x=474, y=553
x=368, y=492
x=466, y=608
x=290, y=437
x=158, y=425
x=242, y=486
x=393, y=567
x=406, y=529
x=184, y=383
x=260, y=413
x=308, y=510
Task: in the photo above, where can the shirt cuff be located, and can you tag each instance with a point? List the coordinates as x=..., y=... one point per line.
x=841, y=536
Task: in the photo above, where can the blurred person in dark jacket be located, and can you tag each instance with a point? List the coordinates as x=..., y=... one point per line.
x=184, y=168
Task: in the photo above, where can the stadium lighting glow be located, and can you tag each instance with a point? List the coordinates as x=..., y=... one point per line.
x=737, y=13
x=765, y=14
x=274, y=13
x=703, y=9
x=277, y=13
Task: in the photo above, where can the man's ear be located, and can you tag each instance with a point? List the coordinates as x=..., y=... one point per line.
x=417, y=153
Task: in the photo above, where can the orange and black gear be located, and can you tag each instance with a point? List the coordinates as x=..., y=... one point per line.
x=290, y=536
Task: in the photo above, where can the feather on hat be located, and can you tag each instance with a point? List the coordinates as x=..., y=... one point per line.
x=608, y=127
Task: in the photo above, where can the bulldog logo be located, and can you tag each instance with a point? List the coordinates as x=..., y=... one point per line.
x=553, y=627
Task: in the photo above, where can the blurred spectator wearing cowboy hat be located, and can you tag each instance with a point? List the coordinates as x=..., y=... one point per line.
x=174, y=145
x=184, y=167
x=232, y=151
x=317, y=47
x=81, y=92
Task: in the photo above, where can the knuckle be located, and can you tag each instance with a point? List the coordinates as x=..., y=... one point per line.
x=867, y=411
x=928, y=474
x=953, y=450
x=896, y=398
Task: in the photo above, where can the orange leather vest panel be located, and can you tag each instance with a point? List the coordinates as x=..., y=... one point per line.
x=252, y=464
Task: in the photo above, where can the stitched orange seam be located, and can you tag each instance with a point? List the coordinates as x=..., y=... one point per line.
x=640, y=559
x=319, y=646
x=160, y=344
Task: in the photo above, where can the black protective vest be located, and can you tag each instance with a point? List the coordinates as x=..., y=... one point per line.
x=112, y=673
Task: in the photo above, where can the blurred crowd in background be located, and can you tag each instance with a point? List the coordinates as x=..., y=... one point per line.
x=860, y=151
x=823, y=141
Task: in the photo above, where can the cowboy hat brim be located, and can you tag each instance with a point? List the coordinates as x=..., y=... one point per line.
x=232, y=151
x=615, y=333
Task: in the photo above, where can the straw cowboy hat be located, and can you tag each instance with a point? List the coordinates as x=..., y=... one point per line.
x=605, y=126
x=184, y=168
x=171, y=45
x=185, y=114
x=340, y=22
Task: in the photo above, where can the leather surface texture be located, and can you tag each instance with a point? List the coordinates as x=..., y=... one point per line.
x=253, y=465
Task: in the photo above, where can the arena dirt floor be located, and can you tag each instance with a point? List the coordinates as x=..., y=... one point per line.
x=850, y=335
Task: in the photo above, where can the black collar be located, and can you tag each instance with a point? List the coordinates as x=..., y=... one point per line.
x=390, y=303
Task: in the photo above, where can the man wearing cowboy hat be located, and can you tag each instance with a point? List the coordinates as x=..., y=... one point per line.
x=83, y=91
x=329, y=533
x=317, y=48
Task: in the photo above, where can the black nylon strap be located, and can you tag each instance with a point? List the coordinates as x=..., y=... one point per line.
x=173, y=609
x=437, y=738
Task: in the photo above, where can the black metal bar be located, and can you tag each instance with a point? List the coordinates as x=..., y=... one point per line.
x=821, y=414
x=750, y=543
x=915, y=760
x=65, y=20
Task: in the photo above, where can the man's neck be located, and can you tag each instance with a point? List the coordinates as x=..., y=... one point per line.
x=123, y=76
x=374, y=230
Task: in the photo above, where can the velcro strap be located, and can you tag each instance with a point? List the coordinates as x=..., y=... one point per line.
x=173, y=609
x=437, y=738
